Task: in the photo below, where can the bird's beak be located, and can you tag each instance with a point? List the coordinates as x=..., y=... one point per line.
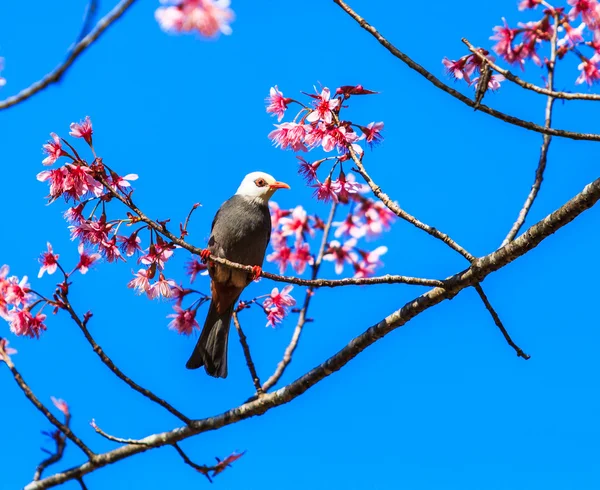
x=279, y=185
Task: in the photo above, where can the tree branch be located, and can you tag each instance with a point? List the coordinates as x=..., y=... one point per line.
x=454, y=93
x=289, y=351
x=481, y=268
x=55, y=75
x=246, y=348
x=60, y=441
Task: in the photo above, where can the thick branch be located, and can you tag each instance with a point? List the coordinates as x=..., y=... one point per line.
x=467, y=278
x=111, y=365
x=55, y=75
x=454, y=93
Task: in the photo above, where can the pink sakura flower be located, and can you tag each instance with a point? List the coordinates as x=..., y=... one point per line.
x=130, y=244
x=73, y=181
x=23, y=323
x=275, y=315
x=158, y=254
x=324, y=191
x=277, y=103
x=384, y=215
x=161, y=288
x=301, y=257
x=372, y=133
x=309, y=170
x=2, y=80
x=281, y=255
x=315, y=134
x=92, y=231
x=351, y=226
x=289, y=135
x=110, y=250
x=372, y=257
x=277, y=213
x=297, y=224
x=340, y=138
x=49, y=261
x=324, y=106
x=505, y=36
x=208, y=17
x=83, y=129
x=118, y=181
x=184, y=321
x=75, y=214
x=341, y=254
x=61, y=405
x=86, y=259
x=281, y=299
x=16, y=292
x=459, y=69
x=195, y=267
x=4, y=349
x=493, y=83
x=588, y=9
x=529, y=4
x=573, y=35
x=344, y=188
x=53, y=149
x=140, y=283
x=589, y=72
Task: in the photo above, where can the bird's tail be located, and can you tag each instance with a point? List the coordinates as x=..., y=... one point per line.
x=211, y=349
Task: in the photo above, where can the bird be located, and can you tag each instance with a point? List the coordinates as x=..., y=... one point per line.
x=240, y=232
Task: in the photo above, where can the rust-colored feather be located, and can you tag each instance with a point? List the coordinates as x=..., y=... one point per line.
x=223, y=295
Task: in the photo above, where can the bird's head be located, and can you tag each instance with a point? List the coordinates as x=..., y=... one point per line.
x=259, y=186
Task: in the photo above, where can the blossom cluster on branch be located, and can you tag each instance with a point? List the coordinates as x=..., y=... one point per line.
x=207, y=17
x=577, y=27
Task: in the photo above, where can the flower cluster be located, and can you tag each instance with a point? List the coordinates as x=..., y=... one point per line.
x=320, y=126
x=276, y=305
x=16, y=303
x=464, y=68
x=577, y=27
x=208, y=17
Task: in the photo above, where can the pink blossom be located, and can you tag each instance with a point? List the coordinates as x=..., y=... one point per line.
x=161, y=288
x=573, y=34
x=119, y=181
x=4, y=349
x=208, y=17
x=344, y=188
x=140, y=282
x=372, y=133
x=275, y=315
x=72, y=181
x=281, y=255
x=457, y=69
x=61, y=405
x=2, y=80
x=384, y=214
x=277, y=103
x=110, y=250
x=308, y=170
x=529, y=4
x=86, y=259
x=22, y=322
x=351, y=226
x=301, y=257
x=53, y=149
x=184, y=321
x=589, y=72
x=289, y=135
x=280, y=299
x=75, y=214
x=505, y=36
x=341, y=254
x=83, y=130
x=373, y=257
x=92, y=231
x=49, y=261
x=324, y=191
x=277, y=213
x=340, y=138
x=315, y=134
x=130, y=244
x=297, y=224
x=323, y=107
x=16, y=292
x=195, y=267
x=493, y=83
x=363, y=269
x=158, y=254
x=588, y=9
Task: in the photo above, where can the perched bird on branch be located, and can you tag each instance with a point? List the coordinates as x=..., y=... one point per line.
x=240, y=233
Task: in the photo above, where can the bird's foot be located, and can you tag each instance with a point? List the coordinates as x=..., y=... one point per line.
x=205, y=255
x=256, y=272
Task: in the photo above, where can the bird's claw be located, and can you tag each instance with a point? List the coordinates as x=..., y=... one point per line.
x=205, y=255
x=256, y=272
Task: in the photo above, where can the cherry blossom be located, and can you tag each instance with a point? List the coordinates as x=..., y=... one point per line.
x=23, y=323
x=351, y=226
x=5, y=350
x=86, y=259
x=53, y=149
x=372, y=133
x=130, y=244
x=325, y=191
x=61, y=405
x=161, y=288
x=195, y=267
x=341, y=254
x=277, y=213
x=275, y=315
x=277, y=103
x=589, y=72
x=296, y=224
x=528, y=4
x=83, y=130
x=280, y=299
x=301, y=257
x=289, y=135
x=588, y=9
x=208, y=17
x=49, y=261
x=2, y=80
x=324, y=106
x=184, y=321
x=140, y=283
x=282, y=254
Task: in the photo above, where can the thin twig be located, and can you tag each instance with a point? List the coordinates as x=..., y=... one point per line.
x=476, y=273
x=111, y=365
x=289, y=351
x=246, y=348
x=200, y=468
x=499, y=324
x=114, y=438
x=456, y=94
x=42, y=408
x=539, y=172
x=82, y=484
x=55, y=75
x=526, y=85
x=60, y=441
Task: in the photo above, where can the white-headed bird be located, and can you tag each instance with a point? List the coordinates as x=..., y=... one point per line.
x=240, y=233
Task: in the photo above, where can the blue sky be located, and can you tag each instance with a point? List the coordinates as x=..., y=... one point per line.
x=441, y=404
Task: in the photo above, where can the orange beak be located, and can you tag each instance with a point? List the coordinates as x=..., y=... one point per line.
x=279, y=185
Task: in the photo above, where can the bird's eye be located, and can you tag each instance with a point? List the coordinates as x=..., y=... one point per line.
x=260, y=182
